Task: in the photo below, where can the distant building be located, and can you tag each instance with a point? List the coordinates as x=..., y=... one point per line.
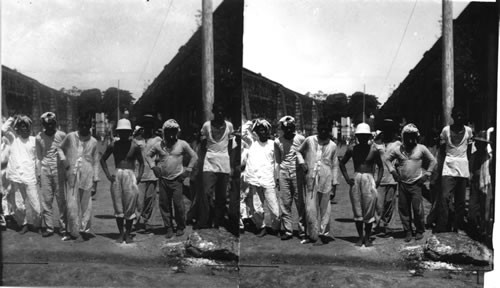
x=24, y=95
x=265, y=98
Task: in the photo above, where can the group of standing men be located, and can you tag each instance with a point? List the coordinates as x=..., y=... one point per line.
x=292, y=168
x=35, y=170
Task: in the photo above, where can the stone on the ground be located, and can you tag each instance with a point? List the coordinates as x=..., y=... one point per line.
x=212, y=244
x=456, y=248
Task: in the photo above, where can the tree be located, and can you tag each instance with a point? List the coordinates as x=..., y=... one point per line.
x=355, y=106
x=89, y=102
x=320, y=95
x=109, y=99
x=335, y=106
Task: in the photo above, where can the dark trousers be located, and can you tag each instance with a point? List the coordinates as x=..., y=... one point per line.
x=215, y=190
x=410, y=198
x=171, y=191
x=146, y=200
x=451, y=206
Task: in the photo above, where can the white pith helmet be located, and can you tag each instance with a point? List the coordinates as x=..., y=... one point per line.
x=124, y=124
x=363, y=128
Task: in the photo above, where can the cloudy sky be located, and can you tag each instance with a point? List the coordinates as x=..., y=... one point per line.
x=94, y=43
x=340, y=46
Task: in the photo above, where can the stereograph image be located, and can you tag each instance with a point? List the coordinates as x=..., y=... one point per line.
x=232, y=143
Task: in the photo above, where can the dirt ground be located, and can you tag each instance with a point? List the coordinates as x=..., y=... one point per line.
x=31, y=260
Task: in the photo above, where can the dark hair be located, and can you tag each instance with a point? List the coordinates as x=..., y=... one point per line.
x=325, y=122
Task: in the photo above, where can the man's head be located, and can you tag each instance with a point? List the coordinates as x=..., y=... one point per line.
x=84, y=125
x=262, y=128
x=363, y=133
x=147, y=122
x=219, y=112
x=170, y=130
x=124, y=129
x=388, y=130
x=49, y=123
x=22, y=126
x=324, y=128
x=458, y=116
x=410, y=135
x=287, y=125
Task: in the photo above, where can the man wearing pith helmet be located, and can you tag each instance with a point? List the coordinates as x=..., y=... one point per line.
x=363, y=187
x=171, y=174
x=124, y=189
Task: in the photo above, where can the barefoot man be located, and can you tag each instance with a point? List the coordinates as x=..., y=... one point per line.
x=124, y=189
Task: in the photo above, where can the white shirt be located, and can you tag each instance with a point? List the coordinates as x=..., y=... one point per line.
x=456, y=163
x=217, y=156
x=260, y=164
x=22, y=161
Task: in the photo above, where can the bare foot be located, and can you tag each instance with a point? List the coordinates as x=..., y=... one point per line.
x=120, y=238
x=360, y=242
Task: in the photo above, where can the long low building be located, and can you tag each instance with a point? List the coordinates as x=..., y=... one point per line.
x=177, y=91
x=265, y=98
x=418, y=98
x=24, y=95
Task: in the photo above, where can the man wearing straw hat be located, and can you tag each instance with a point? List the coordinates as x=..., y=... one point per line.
x=171, y=174
x=51, y=172
x=124, y=190
x=363, y=187
x=81, y=159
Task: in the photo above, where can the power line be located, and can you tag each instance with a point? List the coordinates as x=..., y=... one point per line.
x=399, y=46
x=156, y=41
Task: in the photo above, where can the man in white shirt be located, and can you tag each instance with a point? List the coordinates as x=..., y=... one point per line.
x=456, y=140
x=21, y=172
x=217, y=140
x=260, y=176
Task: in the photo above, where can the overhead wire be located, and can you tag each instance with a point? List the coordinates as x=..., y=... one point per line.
x=400, y=44
x=156, y=40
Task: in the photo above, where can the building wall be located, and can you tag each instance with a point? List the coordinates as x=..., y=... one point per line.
x=419, y=97
x=24, y=95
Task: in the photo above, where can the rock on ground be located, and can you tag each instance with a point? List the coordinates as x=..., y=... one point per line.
x=456, y=248
x=212, y=244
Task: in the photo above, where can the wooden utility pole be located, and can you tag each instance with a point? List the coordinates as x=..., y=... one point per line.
x=118, y=103
x=207, y=61
x=447, y=64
